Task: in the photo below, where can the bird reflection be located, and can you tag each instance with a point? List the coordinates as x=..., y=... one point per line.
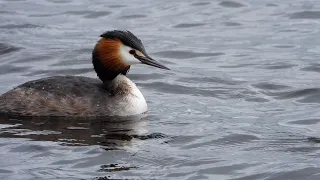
x=110, y=133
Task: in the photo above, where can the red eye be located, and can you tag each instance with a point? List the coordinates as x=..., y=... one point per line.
x=132, y=51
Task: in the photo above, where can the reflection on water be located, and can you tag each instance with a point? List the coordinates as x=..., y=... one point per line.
x=110, y=133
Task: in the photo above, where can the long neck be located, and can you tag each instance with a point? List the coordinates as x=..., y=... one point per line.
x=119, y=85
x=105, y=64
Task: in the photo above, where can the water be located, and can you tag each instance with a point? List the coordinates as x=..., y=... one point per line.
x=241, y=101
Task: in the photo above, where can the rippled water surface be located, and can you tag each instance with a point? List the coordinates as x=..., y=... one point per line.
x=241, y=101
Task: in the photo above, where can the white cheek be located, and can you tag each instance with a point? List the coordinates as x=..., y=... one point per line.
x=127, y=57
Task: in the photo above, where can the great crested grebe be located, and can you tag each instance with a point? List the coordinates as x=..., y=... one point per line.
x=83, y=96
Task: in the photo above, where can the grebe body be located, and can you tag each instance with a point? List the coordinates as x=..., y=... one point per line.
x=74, y=96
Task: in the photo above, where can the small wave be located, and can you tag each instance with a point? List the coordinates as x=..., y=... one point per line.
x=9, y=69
x=97, y=14
x=19, y=26
x=305, y=122
x=6, y=48
x=305, y=15
x=278, y=66
x=200, y=3
x=60, y=72
x=270, y=86
x=215, y=80
x=188, y=25
x=310, y=95
x=185, y=54
x=231, y=4
x=134, y=16
x=144, y=77
x=312, y=68
x=232, y=24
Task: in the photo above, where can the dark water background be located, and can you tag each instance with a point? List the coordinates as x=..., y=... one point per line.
x=241, y=102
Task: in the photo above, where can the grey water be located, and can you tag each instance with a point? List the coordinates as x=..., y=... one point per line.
x=241, y=101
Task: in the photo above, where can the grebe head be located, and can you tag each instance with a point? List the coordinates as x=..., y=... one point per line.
x=116, y=51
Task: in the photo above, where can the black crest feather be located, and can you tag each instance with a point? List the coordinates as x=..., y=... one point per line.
x=127, y=38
